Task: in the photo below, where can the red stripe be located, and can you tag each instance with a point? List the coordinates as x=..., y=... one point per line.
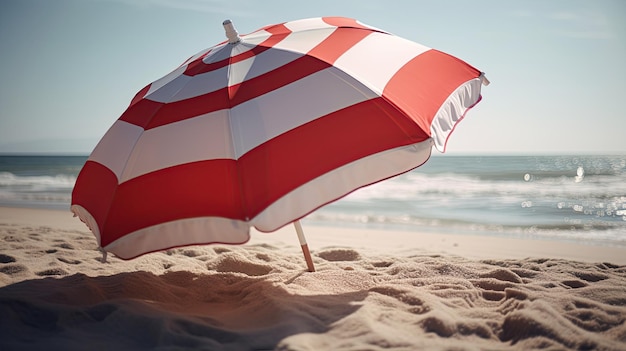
x=278, y=78
x=140, y=95
x=141, y=112
x=207, y=188
x=282, y=164
x=422, y=85
x=94, y=190
x=340, y=41
x=274, y=28
x=189, y=108
x=198, y=66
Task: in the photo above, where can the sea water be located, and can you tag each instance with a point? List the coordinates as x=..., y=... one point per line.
x=38, y=181
x=580, y=198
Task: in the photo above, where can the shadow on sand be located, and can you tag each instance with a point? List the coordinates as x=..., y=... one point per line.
x=176, y=310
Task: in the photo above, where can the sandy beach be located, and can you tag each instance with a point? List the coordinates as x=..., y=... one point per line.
x=373, y=290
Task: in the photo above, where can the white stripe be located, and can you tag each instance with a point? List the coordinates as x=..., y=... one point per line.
x=261, y=119
x=225, y=51
x=199, y=54
x=116, y=145
x=86, y=217
x=200, y=230
x=200, y=138
x=452, y=110
x=386, y=53
x=260, y=64
x=238, y=72
x=176, y=86
x=307, y=24
x=218, y=53
x=185, y=87
x=168, y=85
x=372, y=27
x=255, y=38
x=303, y=42
x=339, y=182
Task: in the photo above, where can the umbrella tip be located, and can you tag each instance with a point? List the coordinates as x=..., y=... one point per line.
x=231, y=32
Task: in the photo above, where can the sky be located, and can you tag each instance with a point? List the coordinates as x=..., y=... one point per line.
x=69, y=68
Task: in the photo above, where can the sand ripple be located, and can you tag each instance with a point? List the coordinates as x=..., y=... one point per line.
x=56, y=294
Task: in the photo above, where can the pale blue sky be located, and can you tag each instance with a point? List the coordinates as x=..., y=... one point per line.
x=558, y=67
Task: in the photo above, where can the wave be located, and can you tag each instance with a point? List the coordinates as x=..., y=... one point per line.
x=520, y=168
x=46, y=191
x=419, y=186
x=42, y=182
x=613, y=233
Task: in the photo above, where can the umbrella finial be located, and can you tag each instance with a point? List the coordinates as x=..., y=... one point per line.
x=231, y=32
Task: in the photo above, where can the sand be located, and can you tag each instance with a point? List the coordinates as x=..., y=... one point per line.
x=373, y=290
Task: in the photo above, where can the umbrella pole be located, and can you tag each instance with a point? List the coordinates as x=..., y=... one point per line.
x=305, y=246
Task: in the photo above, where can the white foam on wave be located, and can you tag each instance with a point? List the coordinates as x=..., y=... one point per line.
x=61, y=181
x=50, y=191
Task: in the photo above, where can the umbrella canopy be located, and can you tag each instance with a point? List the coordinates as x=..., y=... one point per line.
x=264, y=128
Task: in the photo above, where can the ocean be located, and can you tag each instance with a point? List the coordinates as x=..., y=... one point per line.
x=574, y=198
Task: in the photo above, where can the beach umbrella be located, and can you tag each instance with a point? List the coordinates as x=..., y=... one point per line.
x=264, y=128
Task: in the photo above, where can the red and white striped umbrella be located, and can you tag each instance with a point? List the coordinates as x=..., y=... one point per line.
x=264, y=128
